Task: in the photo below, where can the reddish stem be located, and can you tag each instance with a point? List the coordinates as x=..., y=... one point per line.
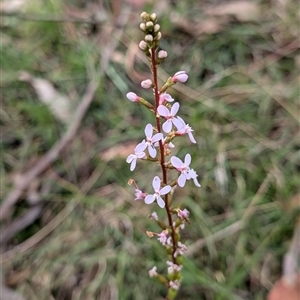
x=161, y=147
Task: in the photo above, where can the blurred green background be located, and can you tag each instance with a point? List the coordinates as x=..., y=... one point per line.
x=88, y=239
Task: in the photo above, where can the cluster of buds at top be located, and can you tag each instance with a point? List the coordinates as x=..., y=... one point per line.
x=151, y=29
x=156, y=147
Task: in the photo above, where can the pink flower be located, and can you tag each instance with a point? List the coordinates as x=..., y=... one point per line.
x=183, y=168
x=162, y=237
x=139, y=195
x=175, y=285
x=152, y=272
x=180, y=250
x=185, y=129
x=183, y=214
x=169, y=116
x=132, y=158
x=133, y=97
x=173, y=267
x=180, y=76
x=165, y=97
x=158, y=192
x=151, y=141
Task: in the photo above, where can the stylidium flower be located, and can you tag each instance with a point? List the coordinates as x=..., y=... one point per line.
x=169, y=116
x=180, y=76
x=152, y=272
x=151, y=141
x=139, y=195
x=183, y=214
x=182, y=167
x=133, y=97
x=132, y=158
x=181, y=249
x=165, y=98
x=158, y=192
x=175, y=285
x=162, y=237
x=185, y=129
x=173, y=267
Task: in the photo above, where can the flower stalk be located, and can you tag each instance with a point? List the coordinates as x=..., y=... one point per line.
x=156, y=148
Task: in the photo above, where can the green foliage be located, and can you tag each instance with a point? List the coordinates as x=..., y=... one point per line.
x=240, y=105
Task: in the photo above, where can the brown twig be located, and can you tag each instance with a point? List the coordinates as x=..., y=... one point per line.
x=21, y=222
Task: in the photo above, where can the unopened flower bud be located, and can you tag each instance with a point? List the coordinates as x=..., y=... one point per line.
x=143, y=15
x=133, y=97
x=153, y=17
x=149, y=38
x=149, y=24
x=162, y=54
x=143, y=26
x=146, y=84
x=143, y=45
x=156, y=27
x=158, y=36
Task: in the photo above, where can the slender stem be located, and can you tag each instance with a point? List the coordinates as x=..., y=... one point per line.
x=161, y=147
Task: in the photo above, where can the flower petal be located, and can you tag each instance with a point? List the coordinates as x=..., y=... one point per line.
x=140, y=155
x=178, y=123
x=149, y=199
x=152, y=151
x=165, y=190
x=176, y=162
x=181, y=180
x=196, y=182
x=192, y=139
x=187, y=160
x=160, y=202
x=133, y=165
x=157, y=137
x=167, y=126
x=193, y=175
x=130, y=158
x=156, y=183
x=175, y=108
x=163, y=111
x=148, y=131
x=140, y=147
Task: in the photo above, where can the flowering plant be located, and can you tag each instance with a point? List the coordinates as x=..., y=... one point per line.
x=156, y=147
